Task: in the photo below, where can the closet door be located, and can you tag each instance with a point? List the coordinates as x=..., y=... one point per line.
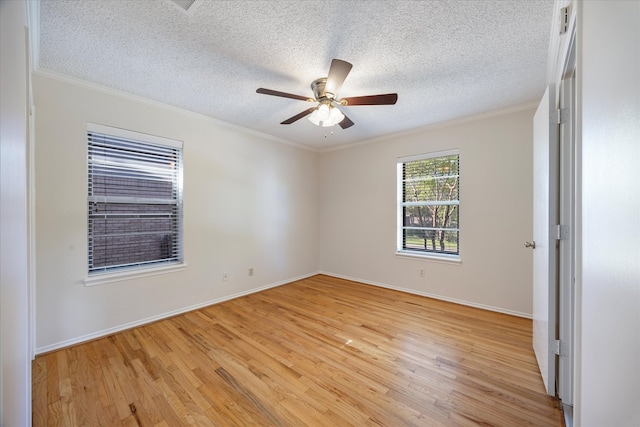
x=545, y=232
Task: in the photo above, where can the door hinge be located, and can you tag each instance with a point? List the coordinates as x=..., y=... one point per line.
x=559, y=232
x=562, y=115
x=556, y=347
x=564, y=19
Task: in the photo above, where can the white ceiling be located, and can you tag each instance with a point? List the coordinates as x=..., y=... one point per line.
x=445, y=59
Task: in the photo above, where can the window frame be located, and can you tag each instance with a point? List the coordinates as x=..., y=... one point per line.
x=400, y=226
x=111, y=273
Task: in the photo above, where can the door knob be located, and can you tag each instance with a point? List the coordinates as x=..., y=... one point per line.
x=531, y=245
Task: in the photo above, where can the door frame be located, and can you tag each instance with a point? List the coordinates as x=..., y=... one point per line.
x=568, y=191
x=561, y=66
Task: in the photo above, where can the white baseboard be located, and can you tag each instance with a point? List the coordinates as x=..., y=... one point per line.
x=141, y=322
x=430, y=295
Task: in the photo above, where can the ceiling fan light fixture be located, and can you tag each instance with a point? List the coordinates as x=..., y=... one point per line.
x=313, y=118
x=335, y=117
x=326, y=116
x=323, y=112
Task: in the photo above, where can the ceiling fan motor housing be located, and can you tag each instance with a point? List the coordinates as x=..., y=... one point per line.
x=318, y=87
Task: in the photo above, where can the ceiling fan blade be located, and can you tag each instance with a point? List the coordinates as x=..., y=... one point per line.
x=346, y=122
x=386, y=99
x=337, y=74
x=298, y=116
x=282, y=94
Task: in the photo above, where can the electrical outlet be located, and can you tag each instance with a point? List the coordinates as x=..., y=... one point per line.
x=422, y=272
x=225, y=276
x=251, y=271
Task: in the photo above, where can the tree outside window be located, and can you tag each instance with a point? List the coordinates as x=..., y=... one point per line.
x=430, y=204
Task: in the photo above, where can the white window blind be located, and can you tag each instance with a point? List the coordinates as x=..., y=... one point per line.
x=429, y=204
x=134, y=200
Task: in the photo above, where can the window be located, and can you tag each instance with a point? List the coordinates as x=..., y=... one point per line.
x=134, y=200
x=429, y=204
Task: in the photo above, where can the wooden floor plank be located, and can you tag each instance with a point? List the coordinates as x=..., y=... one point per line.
x=39, y=391
x=316, y=352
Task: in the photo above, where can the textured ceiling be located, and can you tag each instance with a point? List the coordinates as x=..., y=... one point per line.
x=445, y=59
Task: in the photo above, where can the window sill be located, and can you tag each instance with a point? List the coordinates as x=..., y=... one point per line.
x=102, y=278
x=446, y=259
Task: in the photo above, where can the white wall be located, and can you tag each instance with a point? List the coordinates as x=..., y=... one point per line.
x=249, y=201
x=358, y=213
x=608, y=300
x=15, y=376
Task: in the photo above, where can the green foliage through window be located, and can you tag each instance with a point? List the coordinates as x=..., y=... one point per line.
x=430, y=205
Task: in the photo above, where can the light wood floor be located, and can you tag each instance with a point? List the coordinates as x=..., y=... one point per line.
x=321, y=351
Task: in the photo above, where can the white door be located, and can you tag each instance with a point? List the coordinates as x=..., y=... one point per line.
x=545, y=220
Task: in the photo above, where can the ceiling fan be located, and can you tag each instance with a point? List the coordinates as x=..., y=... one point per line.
x=325, y=90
